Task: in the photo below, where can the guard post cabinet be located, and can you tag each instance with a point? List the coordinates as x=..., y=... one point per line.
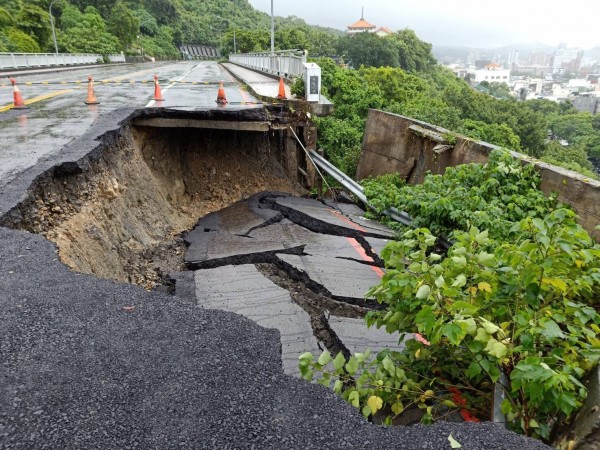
x=312, y=82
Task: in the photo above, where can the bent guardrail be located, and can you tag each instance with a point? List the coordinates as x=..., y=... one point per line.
x=285, y=63
x=26, y=60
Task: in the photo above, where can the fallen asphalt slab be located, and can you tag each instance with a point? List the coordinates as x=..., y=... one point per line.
x=90, y=363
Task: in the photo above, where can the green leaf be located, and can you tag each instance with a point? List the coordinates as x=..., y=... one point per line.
x=556, y=282
x=397, y=407
x=425, y=319
x=307, y=356
x=439, y=281
x=453, y=442
x=496, y=348
x=324, y=358
x=489, y=327
x=506, y=407
x=464, y=307
x=474, y=370
x=354, y=399
x=337, y=386
x=482, y=238
x=423, y=292
x=366, y=411
x=389, y=366
x=460, y=281
x=459, y=261
x=339, y=361
x=551, y=330
x=375, y=403
x=453, y=332
x=485, y=259
x=352, y=366
x=482, y=335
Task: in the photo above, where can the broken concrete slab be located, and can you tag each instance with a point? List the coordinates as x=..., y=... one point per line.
x=319, y=217
x=315, y=244
x=357, y=215
x=244, y=290
x=215, y=248
x=343, y=279
x=238, y=218
x=357, y=337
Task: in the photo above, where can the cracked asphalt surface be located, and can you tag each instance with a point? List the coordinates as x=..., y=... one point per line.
x=89, y=363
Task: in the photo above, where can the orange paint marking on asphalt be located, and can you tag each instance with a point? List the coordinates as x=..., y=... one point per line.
x=348, y=221
x=361, y=251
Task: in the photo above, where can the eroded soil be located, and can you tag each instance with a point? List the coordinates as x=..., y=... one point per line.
x=121, y=219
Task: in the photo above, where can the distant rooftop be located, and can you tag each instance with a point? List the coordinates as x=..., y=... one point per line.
x=361, y=24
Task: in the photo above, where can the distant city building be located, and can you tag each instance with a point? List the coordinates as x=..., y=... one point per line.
x=566, y=60
x=587, y=103
x=539, y=59
x=492, y=73
x=361, y=26
x=513, y=58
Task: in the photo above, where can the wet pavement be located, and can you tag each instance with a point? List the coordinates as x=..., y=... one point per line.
x=49, y=124
x=317, y=247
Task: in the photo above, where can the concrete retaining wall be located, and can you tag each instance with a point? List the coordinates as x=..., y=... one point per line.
x=394, y=143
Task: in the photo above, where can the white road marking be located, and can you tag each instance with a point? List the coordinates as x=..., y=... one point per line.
x=152, y=102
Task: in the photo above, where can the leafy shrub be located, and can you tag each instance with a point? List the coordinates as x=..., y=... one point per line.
x=298, y=88
x=525, y=308
x=19, y=41
x=491, y=196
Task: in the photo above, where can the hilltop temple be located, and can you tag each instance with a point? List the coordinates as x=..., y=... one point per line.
x=363, y=26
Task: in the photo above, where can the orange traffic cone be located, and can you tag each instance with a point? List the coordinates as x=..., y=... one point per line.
x=91, y=97
x=221, y=99
x=157, y=92
x=281, y=94
x=18, y=102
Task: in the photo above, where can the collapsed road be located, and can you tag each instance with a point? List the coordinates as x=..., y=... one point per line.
x=130, y=263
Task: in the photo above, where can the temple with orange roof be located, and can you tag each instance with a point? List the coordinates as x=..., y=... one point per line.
x=361, y=26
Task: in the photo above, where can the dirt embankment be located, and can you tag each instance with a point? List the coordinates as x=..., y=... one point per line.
x=121, y=217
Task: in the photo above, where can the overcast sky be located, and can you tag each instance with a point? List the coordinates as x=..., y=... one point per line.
x=462, y=22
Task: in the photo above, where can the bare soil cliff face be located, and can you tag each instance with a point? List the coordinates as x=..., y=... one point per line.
x=120, y=218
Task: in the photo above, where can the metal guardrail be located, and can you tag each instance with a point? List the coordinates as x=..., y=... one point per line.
x=358, y=191
x=286, y=63
x=27, y=60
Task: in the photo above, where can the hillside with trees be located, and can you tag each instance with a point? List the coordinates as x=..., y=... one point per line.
x=156, y=26
x=397, y=73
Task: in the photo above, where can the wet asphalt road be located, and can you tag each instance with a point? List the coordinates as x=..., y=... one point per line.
x=49, y=124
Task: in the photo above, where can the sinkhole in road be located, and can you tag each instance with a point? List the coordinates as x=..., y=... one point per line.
x=120, y=213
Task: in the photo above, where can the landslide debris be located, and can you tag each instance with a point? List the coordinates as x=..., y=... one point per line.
x=121, y=216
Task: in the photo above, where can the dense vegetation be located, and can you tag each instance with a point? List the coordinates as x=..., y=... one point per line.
x=513, y=301
x=156, y=26
x=433, y=94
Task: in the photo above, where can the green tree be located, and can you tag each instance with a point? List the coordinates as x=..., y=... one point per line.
x=148, y=24
x=414, y=55
x=35, y=21
x=89, y=36
x=124, y=25
x=369, y=50
x=19, y=41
